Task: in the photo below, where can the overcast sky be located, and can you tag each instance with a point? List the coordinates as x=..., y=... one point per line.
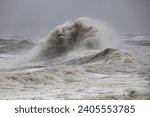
x=38, y=17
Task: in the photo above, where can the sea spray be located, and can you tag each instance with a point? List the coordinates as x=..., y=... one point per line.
x=80, y=34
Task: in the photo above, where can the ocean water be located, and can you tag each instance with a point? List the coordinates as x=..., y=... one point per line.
x=81, y=59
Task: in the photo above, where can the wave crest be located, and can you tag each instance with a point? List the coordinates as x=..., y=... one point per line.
x=80, y=34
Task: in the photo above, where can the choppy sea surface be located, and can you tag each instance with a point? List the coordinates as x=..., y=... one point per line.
x=112, y=73
x=116, y=72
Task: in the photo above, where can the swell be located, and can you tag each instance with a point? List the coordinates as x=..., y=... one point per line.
x=13, y=46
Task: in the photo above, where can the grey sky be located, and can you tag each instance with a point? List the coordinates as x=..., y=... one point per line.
x=38, y=17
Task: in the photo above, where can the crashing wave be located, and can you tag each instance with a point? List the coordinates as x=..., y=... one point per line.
x=80, y=34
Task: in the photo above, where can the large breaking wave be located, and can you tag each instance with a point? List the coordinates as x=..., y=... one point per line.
x=77, y=41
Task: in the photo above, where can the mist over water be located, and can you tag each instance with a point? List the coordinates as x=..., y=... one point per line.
x=80, y=59
x=82, y=34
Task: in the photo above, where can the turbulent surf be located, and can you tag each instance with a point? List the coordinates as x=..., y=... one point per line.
x=80, y=59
